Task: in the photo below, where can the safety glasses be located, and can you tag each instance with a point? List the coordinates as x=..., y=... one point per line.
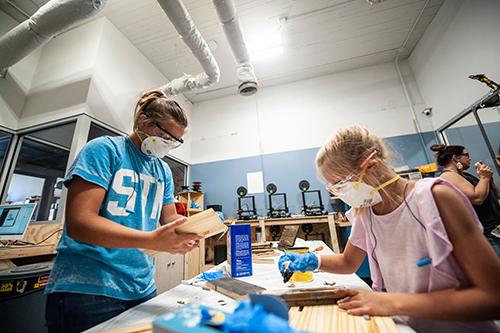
x=338, y=186
x=174, y=142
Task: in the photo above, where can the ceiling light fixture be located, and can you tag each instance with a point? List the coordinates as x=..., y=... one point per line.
x=269, y=46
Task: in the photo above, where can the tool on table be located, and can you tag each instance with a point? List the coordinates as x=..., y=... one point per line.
x=287, y=273
x=319, y=248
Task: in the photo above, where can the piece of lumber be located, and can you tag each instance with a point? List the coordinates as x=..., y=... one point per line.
x=234, y=288
x=206, y=223
x=331, y=319
x=263, y=261
x=288, y=237
x=137, y=328
x=307, y=297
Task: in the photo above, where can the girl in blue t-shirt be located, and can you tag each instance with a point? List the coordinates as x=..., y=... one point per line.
x=118, y=191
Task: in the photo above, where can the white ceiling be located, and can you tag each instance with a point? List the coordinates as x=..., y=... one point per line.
x=320, y=36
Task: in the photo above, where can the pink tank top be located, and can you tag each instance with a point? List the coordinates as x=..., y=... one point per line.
x=414, y=233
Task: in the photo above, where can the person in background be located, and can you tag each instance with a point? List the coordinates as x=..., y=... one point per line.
x=424, y=242
x=482, y=192
x=119, y=189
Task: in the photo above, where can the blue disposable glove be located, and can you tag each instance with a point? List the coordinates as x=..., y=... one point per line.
x=303, y=262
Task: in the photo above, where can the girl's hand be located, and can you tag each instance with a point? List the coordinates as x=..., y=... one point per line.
x=359, y=302
x=165, y=239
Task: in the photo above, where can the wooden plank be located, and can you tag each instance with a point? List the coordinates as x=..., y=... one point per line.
x=234, y=288
x=138, y=328
x=6, y=264
x=333, y=234
x=329, y=318
x=206, y=223
x=288, y=237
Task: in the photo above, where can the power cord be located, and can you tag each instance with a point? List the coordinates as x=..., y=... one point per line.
x=23, y=243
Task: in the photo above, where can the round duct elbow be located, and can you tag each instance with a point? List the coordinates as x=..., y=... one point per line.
x=248, y=88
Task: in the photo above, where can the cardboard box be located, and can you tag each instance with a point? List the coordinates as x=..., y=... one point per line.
x=239, y=250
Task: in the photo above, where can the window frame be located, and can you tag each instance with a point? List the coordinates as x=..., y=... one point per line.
x=80, y=137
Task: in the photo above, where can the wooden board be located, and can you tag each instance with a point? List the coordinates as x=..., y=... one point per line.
x=332, y=319
x=206, y=223
x=288, y=237
x=307, y=297
x=236, y=289
x=138, y=328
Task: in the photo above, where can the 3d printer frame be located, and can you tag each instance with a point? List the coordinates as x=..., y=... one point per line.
x=278, y=212
x=313, y=210
x=246, y=214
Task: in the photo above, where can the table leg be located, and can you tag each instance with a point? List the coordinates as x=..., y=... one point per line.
x=333, y=234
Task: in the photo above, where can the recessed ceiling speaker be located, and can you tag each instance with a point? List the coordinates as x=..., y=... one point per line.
x=271, y=188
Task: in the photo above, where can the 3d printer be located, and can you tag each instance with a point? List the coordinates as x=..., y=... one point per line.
x=310, y=209
x=243, y=199
x=280, y=210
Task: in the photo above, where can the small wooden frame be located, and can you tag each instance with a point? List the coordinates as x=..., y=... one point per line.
x=307, y=297
x=206, y=223
x=234, y=288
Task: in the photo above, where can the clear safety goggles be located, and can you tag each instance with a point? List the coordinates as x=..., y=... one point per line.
x=167, y=137
x=338, y=186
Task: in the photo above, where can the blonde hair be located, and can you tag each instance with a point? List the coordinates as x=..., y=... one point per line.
x=156, y=106
x=347, y=148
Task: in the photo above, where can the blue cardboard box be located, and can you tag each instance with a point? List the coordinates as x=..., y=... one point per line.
x=239, y=250
x=185, y=319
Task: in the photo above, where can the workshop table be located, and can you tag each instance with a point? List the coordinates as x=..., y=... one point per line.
x=191, y=291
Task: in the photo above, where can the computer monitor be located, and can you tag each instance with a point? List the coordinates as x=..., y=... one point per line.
x=14, y=220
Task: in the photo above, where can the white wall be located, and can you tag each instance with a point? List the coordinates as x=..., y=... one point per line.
x=304, y=114
x=91, y=69
x=14, y=88
x=463, y=39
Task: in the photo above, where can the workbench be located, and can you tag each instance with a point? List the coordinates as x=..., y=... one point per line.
x=265, y=275
x=330, y=219
x=35, y=234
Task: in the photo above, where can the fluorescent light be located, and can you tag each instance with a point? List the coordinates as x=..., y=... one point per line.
x=266, y=47
x=267, y=53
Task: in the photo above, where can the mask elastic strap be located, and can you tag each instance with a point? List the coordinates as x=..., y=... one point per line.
x=390, y=181
x=137, y=132
x=361, y=174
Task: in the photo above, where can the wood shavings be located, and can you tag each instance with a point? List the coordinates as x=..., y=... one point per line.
x=326, y=283
x=181, y=302
x=221, y=301
x=291, y=285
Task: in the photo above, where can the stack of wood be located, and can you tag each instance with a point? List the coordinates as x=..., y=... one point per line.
x=263, y=253
x=330, y=318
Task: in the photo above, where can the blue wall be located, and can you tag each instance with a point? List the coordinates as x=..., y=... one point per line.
x=221, y=179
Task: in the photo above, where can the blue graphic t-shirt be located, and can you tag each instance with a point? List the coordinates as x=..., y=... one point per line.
x=137, y=187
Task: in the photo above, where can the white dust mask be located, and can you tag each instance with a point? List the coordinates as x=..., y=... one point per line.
x=358, y=195
x=154, y=146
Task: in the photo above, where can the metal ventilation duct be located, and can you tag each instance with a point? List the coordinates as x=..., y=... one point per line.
x=226, y=11
x=52, y=19
x=57, y=16
x=182, y=22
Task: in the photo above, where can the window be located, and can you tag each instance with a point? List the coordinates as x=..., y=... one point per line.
x=5, y=139
x=178, y=173
x=40, y=168
x=97, y=131
x=477, y=129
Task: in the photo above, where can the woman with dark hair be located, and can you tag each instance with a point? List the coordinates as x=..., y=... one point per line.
x=482, y=192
